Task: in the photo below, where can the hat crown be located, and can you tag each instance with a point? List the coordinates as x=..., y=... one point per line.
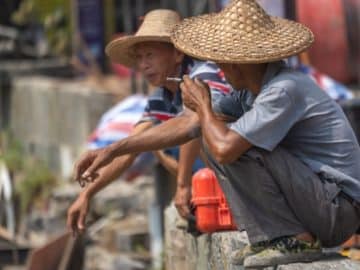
x=158, y=22
x=241, y=33
x=244, y=18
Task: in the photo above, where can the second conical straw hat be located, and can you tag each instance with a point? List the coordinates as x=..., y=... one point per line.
x=157, y=26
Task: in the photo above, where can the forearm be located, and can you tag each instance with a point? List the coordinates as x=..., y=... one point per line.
x=167, y=161
x=213, y=129
x=108, y=174
x=188, y=155
x=224, y=144
x=173, y=132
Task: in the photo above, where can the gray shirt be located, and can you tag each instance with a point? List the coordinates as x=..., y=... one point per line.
x=292, y=111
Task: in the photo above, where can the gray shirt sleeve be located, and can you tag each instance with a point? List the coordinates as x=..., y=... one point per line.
x=269, y=120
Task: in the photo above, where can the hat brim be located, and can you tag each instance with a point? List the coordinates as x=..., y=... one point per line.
x=204, y=38
x=120, y=50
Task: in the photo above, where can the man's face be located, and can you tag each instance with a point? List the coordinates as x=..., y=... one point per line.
x=232, y=74
x=157, y=60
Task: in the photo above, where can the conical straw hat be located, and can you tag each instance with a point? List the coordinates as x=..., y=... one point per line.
x=241, y=33
x=157, y=26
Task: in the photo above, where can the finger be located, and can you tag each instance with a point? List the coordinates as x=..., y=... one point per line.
x=92, y=178
x=181, y=213
x=80, y=168
x=179, y=209
x=189, y=83
x=81, y=183
x=96, y=164
x=76, y=171
x=70, y=223
x=82, y=164
x=81, y=221
x=183, y=210
x=200, y=82
x=184, y=88
x=86, y=180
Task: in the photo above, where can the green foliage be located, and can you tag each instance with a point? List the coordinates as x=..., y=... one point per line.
x=54, y=16
x=25, y=14
x=35, y=185
x=33, y=179
x=11, y=152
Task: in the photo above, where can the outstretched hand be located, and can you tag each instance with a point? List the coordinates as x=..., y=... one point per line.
x=76, y=215
x=85, y=169
x=195, y=94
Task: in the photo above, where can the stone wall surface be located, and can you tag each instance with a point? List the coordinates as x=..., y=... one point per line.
x=213, y=251
x=54, y=117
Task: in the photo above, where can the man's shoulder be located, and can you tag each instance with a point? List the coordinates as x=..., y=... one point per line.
x=295, y=84
x=286, y=78
x=203, y=67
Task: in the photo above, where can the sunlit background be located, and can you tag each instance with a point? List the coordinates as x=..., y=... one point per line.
x=56, y=91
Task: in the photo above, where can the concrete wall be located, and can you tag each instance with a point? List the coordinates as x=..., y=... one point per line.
x=54, y=117
x=213, y=251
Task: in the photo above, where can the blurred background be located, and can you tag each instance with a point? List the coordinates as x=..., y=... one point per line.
x=59, y=95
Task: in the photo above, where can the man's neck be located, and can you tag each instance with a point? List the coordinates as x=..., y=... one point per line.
x=254, y=77
x=172, y=87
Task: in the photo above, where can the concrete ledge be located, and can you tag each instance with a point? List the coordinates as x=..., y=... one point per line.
x=213, y=251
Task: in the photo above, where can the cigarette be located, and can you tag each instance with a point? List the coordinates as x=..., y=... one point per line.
x=174, y=79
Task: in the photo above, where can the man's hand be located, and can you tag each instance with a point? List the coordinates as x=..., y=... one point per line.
x=182, y=201
x=82, y=164
x=195, y=94
x=86, y=168
x=76, y=214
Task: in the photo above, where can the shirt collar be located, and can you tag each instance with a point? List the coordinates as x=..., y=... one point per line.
x=272, y=70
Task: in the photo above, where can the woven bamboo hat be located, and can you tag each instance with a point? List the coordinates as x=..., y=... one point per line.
x=241, y=33
x=157, y=26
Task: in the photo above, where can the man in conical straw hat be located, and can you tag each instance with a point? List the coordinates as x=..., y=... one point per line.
x=151, y=52
x=289, y=165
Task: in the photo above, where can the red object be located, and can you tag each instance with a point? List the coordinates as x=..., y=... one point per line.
x=330, y=52
x=211, y=209
x=121, y=70
x=352, y=242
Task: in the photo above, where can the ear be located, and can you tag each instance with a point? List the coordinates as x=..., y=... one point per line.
x=179, y=56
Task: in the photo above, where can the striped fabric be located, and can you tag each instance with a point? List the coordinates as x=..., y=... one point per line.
x=162, y=105
x=334, y=89
x=117, y=123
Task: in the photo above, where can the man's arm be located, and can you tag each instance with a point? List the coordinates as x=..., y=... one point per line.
x=78, y=210
x=173, y=132
x=188, y=154
x=224, y=144
x=169, y=163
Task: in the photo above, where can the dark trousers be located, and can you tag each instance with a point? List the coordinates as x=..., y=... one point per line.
x=273, y=194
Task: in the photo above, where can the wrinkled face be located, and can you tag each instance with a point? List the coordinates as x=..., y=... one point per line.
x=157, y=60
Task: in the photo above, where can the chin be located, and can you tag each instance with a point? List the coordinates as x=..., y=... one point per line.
x=153, y=83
